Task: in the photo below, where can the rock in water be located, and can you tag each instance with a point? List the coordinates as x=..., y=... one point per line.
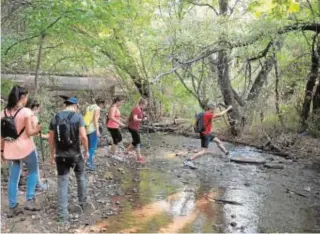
x=273, y=166
x=248, y=159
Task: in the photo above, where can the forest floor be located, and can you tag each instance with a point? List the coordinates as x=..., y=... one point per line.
x=280, y=195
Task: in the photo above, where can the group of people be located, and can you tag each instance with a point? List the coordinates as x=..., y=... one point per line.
x=68, y=132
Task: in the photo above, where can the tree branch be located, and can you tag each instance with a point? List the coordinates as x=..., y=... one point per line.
x=205, y=5
x=226, y=45
x=262, y=54
x=238, y=98
x=37, y=35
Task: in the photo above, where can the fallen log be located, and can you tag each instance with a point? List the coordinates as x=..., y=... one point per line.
x=223, y=201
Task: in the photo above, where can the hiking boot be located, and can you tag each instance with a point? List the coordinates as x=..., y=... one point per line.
x=189, y=163
x=87, y=207
x=15, y=211
x=31, y=205
x=227, y=153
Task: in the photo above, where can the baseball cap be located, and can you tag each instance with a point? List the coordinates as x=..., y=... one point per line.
x=72, y=100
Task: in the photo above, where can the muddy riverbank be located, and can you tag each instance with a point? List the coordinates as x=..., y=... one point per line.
x=165, y=196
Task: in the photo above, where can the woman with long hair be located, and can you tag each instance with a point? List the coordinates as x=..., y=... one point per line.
x=21, y=149
x=134, y=124
x=114, y=123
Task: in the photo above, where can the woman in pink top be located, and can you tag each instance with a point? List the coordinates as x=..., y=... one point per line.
x=114, y=122
x=20, y=149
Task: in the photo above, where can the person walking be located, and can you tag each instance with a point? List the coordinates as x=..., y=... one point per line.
x=134, y=124
x=17, y=146
x=206, y=135
x=91, y=120
x=67, y=130
x=114, y=123
x=34, y=105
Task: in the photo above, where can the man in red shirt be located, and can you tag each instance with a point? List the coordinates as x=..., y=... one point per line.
x=207, y=136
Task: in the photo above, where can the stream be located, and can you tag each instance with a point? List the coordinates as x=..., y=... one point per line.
x=219, y=196
x=270, y=194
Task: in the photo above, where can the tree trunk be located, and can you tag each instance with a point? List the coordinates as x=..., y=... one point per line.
x=224, y=79
x=316, y=99
x=277, y=91
x=310, y=83
x=227, y=91
x=260, y=79
x=36, y=77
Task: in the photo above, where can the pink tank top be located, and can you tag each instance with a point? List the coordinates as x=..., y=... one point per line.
x=114, y=124
x=24, y=145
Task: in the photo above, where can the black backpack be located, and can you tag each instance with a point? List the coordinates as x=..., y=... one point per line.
x=63, y=132
x=198, y=125
x=8, y=127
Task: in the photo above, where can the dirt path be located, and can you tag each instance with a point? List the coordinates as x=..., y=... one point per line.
x=164, y=196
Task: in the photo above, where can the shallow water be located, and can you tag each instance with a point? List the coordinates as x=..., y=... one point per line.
x=220, y=196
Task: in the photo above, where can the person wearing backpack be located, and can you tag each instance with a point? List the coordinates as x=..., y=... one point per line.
x=134, y=124
x=67, y=129
x=203, y=126
x=114, y=122
x=17, y=146
x=91, y=120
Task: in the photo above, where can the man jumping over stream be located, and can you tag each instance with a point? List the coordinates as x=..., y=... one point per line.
x=207, y=136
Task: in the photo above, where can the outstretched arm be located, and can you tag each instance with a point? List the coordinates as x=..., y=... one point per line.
x=223, y=112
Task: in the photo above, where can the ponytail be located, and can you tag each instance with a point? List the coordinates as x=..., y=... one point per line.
x=15, y=95
x=117, y=99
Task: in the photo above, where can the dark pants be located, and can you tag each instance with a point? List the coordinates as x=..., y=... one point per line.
x=116, y=135
x=63, y=167
x=206, y=139
x=135, y=137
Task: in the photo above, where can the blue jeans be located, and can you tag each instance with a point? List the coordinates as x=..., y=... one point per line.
x=93, y=141
x=32, y=165
x=63, y=167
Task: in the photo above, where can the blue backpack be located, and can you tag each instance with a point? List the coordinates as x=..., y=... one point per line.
x=198, y=125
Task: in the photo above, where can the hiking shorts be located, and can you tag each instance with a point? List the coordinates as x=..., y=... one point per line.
x=135, y=137
x=64, y=164
x=116, y=135
x=206, y=139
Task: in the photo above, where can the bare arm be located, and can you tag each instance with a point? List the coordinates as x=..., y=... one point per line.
x=83, y=138
x=30, y=128
x=223, y=112
x=96, y=117
x=52, y=145
x=135, y=118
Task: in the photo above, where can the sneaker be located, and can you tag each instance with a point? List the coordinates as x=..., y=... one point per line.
x=87, y=207
x=31, y=205
x=15, y=211
x=227, y=153
x=190, y=164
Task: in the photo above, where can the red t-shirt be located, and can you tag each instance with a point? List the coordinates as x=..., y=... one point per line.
x=135, y=125
x=207, y=122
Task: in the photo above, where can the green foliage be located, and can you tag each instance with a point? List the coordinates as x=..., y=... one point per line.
x=6, y=86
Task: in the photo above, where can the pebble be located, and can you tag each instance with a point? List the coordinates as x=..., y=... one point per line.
x=233, y=224
x=117, y=203
x=33, y=217
x=233, y=216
